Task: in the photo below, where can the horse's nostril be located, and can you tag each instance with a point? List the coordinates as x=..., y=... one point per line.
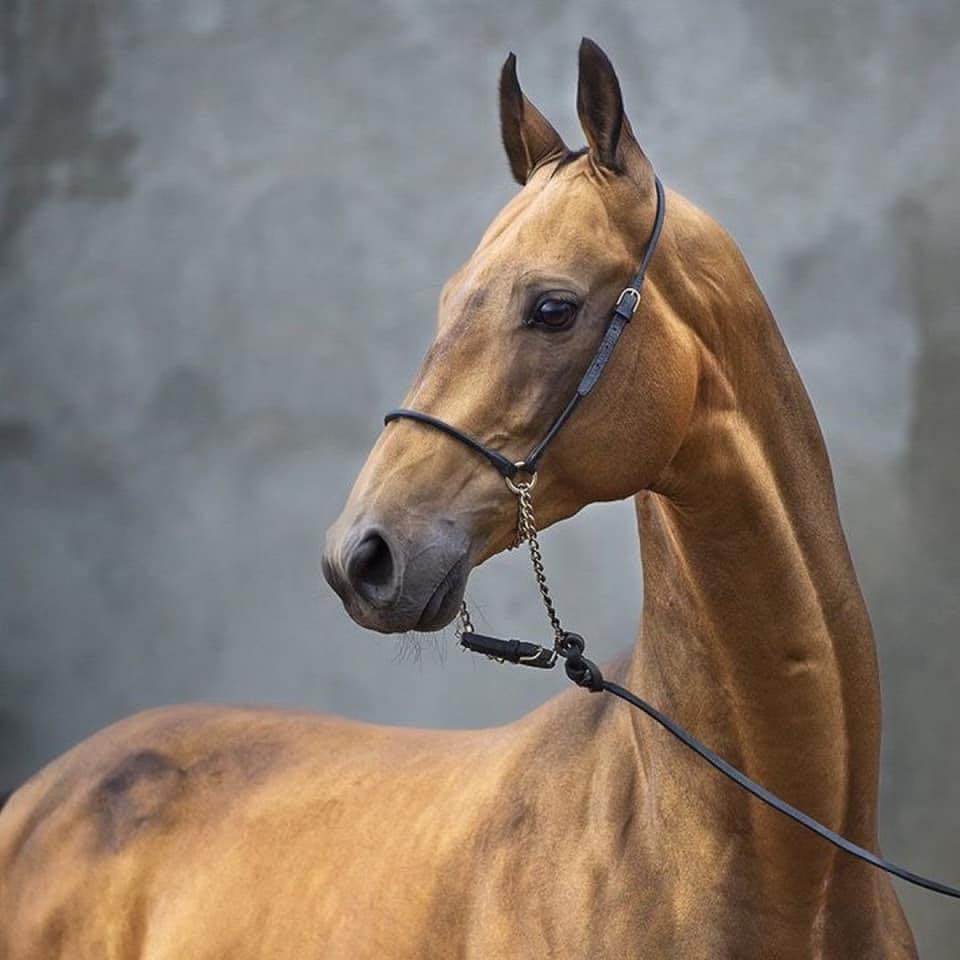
x=371, y=569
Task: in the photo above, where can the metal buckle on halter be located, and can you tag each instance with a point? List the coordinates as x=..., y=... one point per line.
x=627, y=312
x=509, y=651
x=529, y=485
x=543, y=657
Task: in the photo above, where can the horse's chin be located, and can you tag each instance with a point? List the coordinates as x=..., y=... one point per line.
x=444, y=602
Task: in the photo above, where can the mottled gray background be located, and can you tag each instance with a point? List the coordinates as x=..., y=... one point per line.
x=224, y=227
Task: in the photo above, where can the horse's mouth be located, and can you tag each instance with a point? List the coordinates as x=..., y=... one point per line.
x=444, y=602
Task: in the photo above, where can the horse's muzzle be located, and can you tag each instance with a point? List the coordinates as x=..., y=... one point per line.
x=392, y=582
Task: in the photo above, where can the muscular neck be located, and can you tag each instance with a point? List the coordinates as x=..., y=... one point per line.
x=754, y=633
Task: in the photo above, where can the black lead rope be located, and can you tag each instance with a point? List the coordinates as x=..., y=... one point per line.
x=583, y=672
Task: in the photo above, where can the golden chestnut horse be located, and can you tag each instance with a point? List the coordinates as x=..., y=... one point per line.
x=581, y=831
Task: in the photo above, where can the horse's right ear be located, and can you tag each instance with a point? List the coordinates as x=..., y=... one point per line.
x=528, y=137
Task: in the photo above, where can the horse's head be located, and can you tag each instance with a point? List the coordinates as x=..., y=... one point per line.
x=518, y=324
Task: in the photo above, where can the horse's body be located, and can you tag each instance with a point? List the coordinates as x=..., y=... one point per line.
x=580, y=831
x=211, y=833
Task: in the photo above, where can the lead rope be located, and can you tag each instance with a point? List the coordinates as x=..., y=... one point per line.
x=585, y=673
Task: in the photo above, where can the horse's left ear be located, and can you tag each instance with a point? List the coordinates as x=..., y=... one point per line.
x=600, y=108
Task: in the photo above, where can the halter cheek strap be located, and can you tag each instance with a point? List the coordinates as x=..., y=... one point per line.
x=623, y=312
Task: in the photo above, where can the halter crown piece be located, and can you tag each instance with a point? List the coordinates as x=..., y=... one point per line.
x=520, y=477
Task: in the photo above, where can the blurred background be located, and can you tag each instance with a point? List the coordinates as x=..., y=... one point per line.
x=223, y=230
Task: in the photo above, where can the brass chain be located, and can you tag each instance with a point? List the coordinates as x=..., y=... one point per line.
x=526, y=531
x=466, y=624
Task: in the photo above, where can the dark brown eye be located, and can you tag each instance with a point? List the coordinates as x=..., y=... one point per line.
x=552, y=313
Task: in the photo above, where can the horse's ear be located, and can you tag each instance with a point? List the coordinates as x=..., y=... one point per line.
x=600, y=108
x=528, y=137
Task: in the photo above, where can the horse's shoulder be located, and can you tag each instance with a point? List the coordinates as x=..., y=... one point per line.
x=140, y=775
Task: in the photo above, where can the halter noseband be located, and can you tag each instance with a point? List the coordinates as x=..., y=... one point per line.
x=623, y=312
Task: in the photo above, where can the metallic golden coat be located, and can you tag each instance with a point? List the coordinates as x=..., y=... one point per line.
x=580, y=831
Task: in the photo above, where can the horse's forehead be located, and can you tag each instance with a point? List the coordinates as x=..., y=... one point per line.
x=558, y=228
x=558, y=223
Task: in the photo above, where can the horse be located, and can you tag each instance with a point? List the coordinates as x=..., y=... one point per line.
x=579, y=831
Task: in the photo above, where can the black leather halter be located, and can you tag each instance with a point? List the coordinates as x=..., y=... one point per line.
x=623, y=312
x=570, y=646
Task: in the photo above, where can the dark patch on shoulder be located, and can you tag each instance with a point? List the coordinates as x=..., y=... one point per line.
x=145, y=765
x=147, y=789
x=137, y=793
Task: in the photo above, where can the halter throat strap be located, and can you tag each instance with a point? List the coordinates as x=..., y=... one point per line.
x=623, y=312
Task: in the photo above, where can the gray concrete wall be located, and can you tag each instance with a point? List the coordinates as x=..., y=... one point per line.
x=197, y=194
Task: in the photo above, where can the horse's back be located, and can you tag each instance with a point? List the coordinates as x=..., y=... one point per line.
x=189, y=818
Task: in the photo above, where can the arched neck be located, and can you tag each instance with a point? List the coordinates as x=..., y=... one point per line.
x=754, y=634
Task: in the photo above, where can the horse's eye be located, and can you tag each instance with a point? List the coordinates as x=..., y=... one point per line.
x=551, y=313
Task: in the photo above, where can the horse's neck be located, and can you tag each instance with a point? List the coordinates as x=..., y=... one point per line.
x=754, y=631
